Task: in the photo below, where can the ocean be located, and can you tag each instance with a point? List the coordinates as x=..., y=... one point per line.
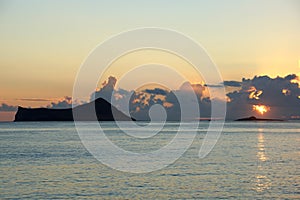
x=251, y=160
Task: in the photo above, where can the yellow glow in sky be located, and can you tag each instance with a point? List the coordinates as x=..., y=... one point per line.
x=159, y=66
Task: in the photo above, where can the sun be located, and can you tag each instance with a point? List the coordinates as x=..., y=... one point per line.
x=261, y=108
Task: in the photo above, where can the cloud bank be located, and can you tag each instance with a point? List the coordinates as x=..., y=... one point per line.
x=280, y=96
x=273, y=97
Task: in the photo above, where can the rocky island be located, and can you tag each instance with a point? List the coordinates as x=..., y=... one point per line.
x=86, y=112
x=252, y=118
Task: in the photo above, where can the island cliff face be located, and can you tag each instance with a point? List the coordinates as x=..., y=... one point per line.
x=86, y=112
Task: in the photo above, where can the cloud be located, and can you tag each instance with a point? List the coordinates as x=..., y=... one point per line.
x=281, y=94
x=140, y=102
x=157, y=91
x=33, y=99
x=213, y=86
x=106, y=91
x=232, y=83
x=187, y=93
x=66, y=102
x=225, y=83
x=7, y=108
x=198, y=89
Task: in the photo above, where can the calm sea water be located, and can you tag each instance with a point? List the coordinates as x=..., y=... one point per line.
x=45, y=160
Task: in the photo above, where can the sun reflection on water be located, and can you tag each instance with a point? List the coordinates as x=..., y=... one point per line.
x=261, y=147
x=262, y=182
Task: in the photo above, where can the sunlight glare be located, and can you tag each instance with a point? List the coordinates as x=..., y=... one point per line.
x=261, y=108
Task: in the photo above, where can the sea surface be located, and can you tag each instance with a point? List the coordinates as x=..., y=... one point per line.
x=251, y=160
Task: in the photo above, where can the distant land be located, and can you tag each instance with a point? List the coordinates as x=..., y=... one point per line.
x=104, y=112
x=252, y=118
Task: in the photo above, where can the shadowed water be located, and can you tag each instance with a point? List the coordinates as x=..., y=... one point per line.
x=251, y=160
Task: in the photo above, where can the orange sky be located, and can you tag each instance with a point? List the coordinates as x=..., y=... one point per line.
x=40, y=56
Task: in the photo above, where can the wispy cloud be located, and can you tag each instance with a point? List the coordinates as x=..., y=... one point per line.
x=225, y=83
x=232, y=83
x=34, y=99
x=213, y=86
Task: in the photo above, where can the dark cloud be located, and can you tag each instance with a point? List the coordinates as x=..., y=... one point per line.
x=187, y=92
x=7, y=108
x=281, y=94
x=157, y=91
x=140, y=102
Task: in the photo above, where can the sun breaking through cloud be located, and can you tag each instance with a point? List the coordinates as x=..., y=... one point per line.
x=261, y=108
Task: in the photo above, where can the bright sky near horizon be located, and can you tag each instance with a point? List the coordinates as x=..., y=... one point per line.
x=43, y=43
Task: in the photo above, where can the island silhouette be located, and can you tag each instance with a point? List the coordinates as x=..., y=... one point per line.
x=253, y=118
x=104, y=112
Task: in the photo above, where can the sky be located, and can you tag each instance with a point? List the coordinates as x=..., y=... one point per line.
x=43, y=43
